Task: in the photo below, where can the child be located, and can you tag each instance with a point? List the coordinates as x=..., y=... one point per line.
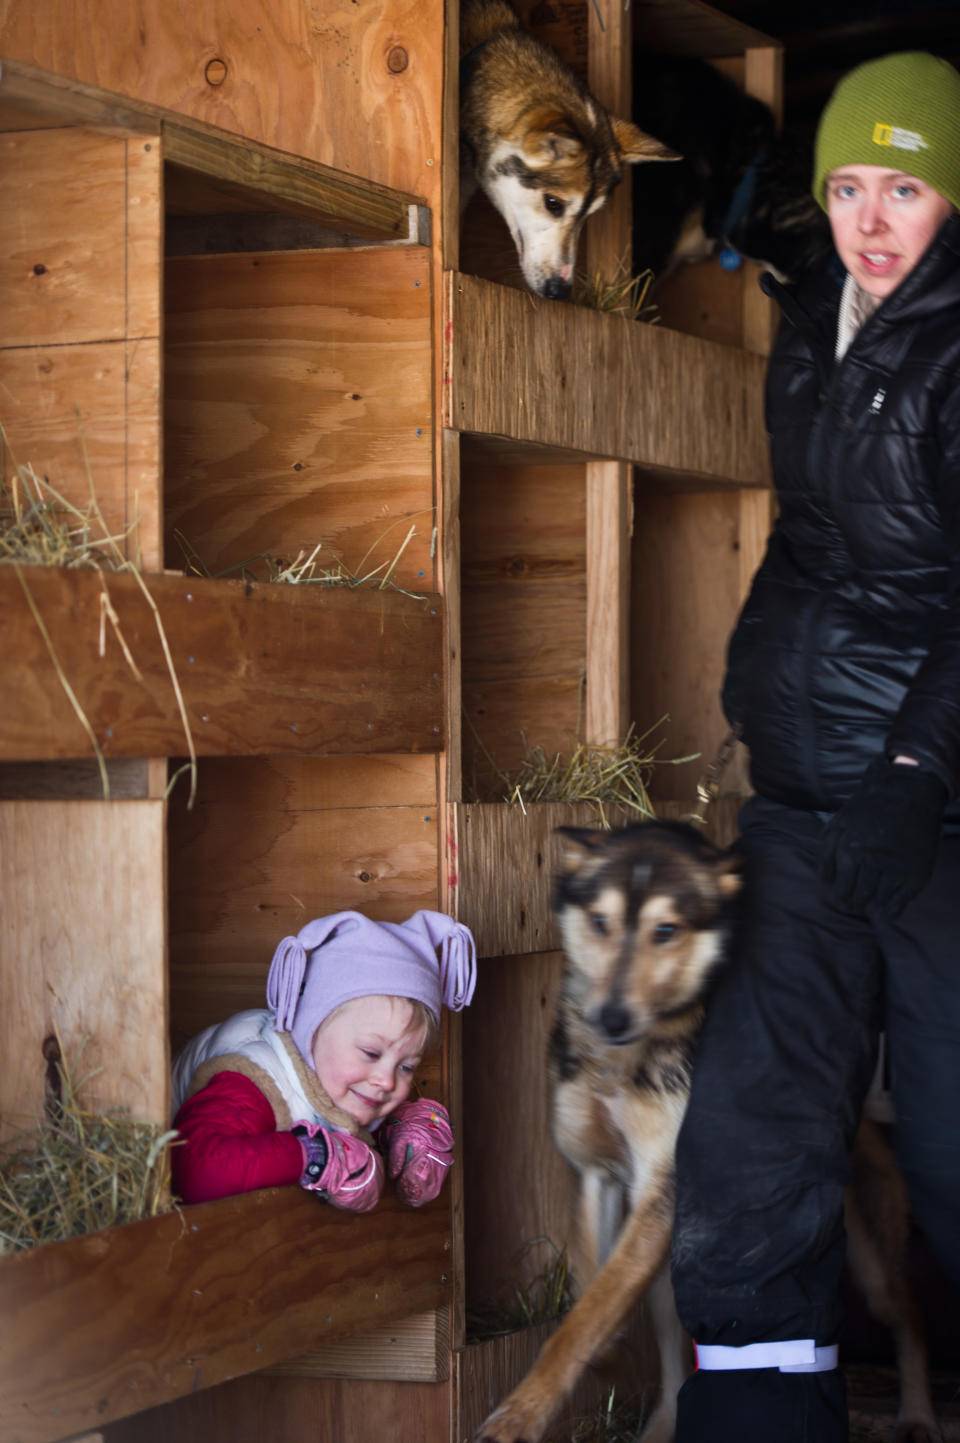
x=292, y=1093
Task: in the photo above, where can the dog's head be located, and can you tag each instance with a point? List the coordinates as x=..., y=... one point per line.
x=644, y=914
x=551, y=170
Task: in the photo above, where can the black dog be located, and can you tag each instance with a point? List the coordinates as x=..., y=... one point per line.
x=740, y=186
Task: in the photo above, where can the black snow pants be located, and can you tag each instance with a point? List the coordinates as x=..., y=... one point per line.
x=785, y=1061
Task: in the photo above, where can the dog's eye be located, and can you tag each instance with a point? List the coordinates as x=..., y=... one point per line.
x=554, y=205
x=664, y=931
x=599, y=923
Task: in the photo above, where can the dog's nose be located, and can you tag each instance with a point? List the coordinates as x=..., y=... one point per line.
x=557, y=289
x=614, y=1019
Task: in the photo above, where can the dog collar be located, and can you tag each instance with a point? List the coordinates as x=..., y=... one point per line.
x=740, y=203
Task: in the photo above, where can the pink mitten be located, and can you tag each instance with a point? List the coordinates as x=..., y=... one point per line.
x=418, y=1140
x=343, y=1169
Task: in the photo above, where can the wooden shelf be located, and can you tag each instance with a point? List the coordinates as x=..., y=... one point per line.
x=103, y=1326
x=210, y=170
x=578, y=382
x=264, y=669
x=690, y=27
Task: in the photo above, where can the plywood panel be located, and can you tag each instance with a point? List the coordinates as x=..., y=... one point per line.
x=687, y=591
x=511, y=1231
x=207, y=170
x=80, y=235
x=523, y=612
x=264, y=852
x=252, y=1409
x=488, y=1371
x=358, y=87
x=298, y=404
x=609, y=527
x=83, y=943
x=100, y=1327
x=262, y=668
x=532, y=370
x=416, y=1350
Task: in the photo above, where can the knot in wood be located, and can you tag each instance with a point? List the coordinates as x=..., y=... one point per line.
x=397, y=59
x=215, y=71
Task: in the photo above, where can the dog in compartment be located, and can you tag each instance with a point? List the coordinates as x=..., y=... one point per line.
x=537, y=143
x=645, y=915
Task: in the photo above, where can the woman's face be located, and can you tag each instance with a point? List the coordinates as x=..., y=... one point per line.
x=882, y=222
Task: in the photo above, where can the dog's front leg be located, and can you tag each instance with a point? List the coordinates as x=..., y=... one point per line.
x=640, y=1249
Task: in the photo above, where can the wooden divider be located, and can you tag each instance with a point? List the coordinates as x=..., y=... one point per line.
x=513, y=362
x=80, y=344
x=83, y=939
x=106, y=1325
x=262, y=668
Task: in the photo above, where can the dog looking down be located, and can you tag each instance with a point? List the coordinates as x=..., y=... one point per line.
x=536, y=142
x=645, y=915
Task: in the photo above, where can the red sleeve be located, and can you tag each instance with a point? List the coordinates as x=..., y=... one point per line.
x=229, y=1142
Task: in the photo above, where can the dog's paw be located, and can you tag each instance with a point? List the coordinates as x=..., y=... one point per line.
x=917, y=1430
x=515, y=1421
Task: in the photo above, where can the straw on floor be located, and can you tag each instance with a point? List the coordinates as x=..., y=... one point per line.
x=77, y=1171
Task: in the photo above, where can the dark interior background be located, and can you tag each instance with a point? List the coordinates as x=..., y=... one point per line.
x=823, y=39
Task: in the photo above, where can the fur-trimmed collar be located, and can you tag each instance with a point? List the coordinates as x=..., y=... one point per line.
x=322, y=1105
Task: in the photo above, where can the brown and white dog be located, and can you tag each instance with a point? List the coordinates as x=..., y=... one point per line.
x=542, y=149
x=645, y=915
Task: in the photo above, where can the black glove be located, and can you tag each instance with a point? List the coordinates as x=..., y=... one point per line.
x=880, y=847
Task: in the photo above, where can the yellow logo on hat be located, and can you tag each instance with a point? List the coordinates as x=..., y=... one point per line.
x=894, y=135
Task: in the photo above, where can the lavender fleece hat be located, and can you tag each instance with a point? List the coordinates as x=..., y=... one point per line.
x=430, y=958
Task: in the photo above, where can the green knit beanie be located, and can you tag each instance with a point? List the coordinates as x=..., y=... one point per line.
x=901, y=112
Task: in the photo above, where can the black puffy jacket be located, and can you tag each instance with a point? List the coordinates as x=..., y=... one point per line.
x=849, y=642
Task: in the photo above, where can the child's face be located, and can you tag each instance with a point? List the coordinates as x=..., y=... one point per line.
x=365, y=1056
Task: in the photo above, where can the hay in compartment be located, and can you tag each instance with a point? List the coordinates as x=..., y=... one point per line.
x=308, y=568
x=39, y=527
x=79, y=1171
x=612, y=1422
x=547, y=1296
x=613, y=774
x=620, y=294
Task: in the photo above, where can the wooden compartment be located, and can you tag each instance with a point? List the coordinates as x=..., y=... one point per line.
x=104, y=1326
x=290, y=375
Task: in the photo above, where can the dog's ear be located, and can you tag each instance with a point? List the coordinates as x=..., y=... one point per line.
x=635, y=144
x=549, y=137
x=576, y=845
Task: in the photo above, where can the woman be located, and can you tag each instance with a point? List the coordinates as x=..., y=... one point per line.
x=844, y=673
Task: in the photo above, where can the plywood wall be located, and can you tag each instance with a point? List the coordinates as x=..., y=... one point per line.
x=80, y=341
x=273, y=843
x=82, y=946
x=297, y=409
x=357, y=86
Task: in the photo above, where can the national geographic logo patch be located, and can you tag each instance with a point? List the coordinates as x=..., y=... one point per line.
x=894, y=135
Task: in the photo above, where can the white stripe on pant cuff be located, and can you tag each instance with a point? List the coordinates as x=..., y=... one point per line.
x=793, y=1355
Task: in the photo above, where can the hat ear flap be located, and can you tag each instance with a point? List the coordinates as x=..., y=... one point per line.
x=289, y=966
x=457, y=955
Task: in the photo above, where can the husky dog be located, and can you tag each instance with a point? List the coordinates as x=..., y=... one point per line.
x=645, y=915
x=740, y=185
x=542, y=149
